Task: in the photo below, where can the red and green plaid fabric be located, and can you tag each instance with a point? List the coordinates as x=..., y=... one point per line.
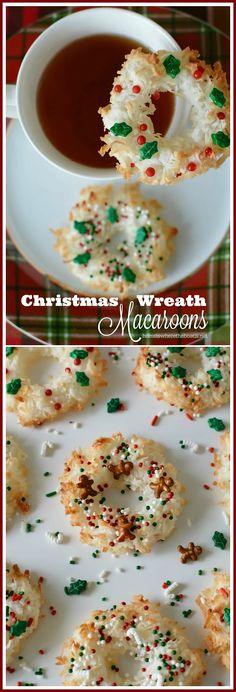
x=79, y=325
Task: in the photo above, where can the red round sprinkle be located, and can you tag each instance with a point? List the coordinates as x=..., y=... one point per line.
x=155, y=96
x=208, y=151
x=132, y=165
x=198, y=72
x=7, y=371
x=141, y=139
x=143, y=127
x=118, y=88
x=77, y=361
x=207, y=487
x=221, y=115
x=150, y=172
x=40, y=580
x=136, y=89
x=146, y=607
x=211, y=449
x=57, y=406
x=67, y=370
x=48, y=392
x=191, y=166
x=41, y=651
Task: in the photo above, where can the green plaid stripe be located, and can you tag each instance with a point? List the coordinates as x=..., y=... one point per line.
x=57, y=325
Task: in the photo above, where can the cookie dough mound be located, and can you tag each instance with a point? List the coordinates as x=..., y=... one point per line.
x=116, y=240
x=92, y=655
x=123, y=494
x=130, y=135
x=222, y=471
x=16, y=480
x=214, y=603
x=191, y=378
x=23, y=605
x=81, y=376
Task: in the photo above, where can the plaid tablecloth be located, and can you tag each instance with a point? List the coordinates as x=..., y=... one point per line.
x=79, y=325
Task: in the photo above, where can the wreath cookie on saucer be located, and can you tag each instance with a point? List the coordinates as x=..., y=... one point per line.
x=214, y=603
x=116, y=240
x=130, y=135
x=16, y=480
x=91, y=657
x=222, y=472
x=80, y=377
x=23, y=606
x=136, y=469
x=190, y=378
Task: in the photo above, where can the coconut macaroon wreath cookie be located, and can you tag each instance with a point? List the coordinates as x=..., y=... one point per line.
x=116, y=239
x=214, y=603
x=138, y=471
x=23, y=606
x=16, y=480
x=159, y=646
x=80, y=377
x=130, y=135
x=222, y=472
x=193, y=379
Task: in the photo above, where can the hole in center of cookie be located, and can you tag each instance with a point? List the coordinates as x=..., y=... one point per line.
x=41, y=370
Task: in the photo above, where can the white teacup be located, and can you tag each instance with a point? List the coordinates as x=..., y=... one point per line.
x=21, y=99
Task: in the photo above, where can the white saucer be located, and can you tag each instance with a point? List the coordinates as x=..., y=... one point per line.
x=39, y=197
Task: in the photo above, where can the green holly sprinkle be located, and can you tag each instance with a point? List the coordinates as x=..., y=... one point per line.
x=113, y=405
x=13, y=386
x=83, y=226
x=219, y=540
x=215, y=375
x=79, y=353
x=178, y=372
x=83, y=258
x=175, y=349
x=221, y=139
x=147, y=150
x=129, y=275
x=212, y=351
x=76, y=587
x=141, y=235
x=186, y=613
x=18, y=628
x=112, y=215
x=216, y=423
x=227, y=616
x=120, y=129
x=218, y=97
x=9, y=351
x=82, y=379
x=172, y=66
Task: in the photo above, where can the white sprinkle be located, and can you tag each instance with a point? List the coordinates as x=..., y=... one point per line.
x=46, y=447
x=56, y=537
x=119, y=569
x=132, y=632
x=103, y=574
x=25, y=666
x=77, y=425
x=189, y=522
x=226, y=518
x=193, y=446
x=170, y=589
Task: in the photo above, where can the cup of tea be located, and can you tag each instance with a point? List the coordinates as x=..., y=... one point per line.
x=67, y=74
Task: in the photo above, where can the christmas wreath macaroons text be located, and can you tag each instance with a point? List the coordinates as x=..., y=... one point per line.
x=116, y=239
x=158, y=645
x=81, y=376
x=194, y=379
x=136, y=467
x=130, y=135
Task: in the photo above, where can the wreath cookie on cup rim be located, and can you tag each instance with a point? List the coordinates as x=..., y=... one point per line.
x=130, y=135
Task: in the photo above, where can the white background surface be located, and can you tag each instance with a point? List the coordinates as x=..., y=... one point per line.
x=40, y=196
x=35, y=552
